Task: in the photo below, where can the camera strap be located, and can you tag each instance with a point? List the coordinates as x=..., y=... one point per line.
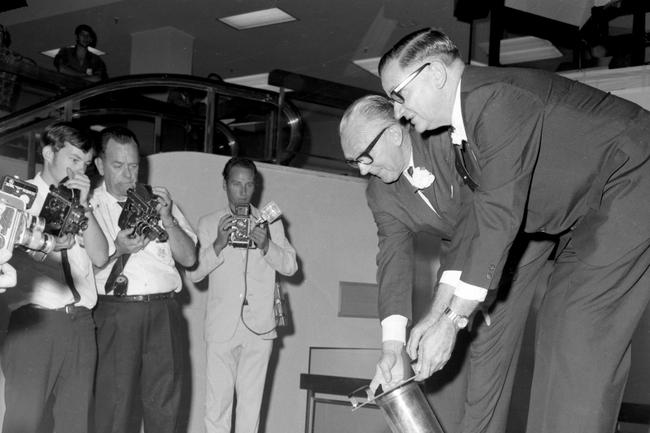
x=68, y=275
x=116, y=271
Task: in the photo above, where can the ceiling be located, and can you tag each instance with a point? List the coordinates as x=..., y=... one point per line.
x=322, y=43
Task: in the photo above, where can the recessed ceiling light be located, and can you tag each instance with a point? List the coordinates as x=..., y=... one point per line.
x=52, y=53
x=260, y=18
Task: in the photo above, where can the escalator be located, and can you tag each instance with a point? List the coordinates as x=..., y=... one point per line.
x=168, y=113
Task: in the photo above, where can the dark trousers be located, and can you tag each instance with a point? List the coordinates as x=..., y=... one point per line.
x=140, y=368
x=584, y=330
x=494, y=351
x=48, y=360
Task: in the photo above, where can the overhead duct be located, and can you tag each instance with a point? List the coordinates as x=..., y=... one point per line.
x=8, y=5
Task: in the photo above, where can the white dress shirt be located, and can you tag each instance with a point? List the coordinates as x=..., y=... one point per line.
x=43, y=282
x=150, y=270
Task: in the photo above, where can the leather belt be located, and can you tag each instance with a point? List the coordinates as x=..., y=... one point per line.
x=137, y=298
x=68, y=309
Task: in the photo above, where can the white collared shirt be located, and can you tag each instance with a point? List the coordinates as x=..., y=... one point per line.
x=43, y=282
x=150, y=270
x=452, y=277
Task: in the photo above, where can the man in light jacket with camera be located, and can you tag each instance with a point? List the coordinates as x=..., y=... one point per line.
x=239, y=324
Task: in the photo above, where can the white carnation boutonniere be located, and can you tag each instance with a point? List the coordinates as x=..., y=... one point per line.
x=422, y=178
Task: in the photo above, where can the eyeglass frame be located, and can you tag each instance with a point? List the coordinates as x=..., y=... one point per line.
x=395, y=95
x=366, y=153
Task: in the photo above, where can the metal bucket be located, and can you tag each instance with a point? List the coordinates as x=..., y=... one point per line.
x=405, y=408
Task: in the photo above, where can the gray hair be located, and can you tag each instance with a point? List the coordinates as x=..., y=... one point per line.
x=419, y=45
x=367, y=112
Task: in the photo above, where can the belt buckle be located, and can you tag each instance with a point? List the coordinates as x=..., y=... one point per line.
x=69, y=309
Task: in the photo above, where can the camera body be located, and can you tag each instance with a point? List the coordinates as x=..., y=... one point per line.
x=140, y=214
x=62, y=212
x=240, y=236
x=17, y=227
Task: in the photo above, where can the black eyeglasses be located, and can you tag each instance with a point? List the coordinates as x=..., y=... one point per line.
x=395, y=94
x=364, y=157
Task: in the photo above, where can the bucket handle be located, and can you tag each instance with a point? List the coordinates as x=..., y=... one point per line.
x=354, y=401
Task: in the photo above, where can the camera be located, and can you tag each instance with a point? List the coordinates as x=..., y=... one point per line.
x=140, y=214
x=62, y=212
x=239, y=237
x=17, y=227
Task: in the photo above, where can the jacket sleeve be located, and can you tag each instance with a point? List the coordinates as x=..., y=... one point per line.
x=208, y=260
x=281, y=255
x=505, y=133
x=395, y=256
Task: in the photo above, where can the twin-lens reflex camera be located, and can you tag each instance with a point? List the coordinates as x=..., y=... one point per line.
x=243, y=225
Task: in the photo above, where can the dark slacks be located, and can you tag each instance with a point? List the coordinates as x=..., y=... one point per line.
x=584, y=330
x=48, y=360
x=140, y=368
x=494, y=351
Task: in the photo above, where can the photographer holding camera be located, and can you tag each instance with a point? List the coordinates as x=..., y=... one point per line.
x=139, y=321
x=49, y=355
x=239, y=325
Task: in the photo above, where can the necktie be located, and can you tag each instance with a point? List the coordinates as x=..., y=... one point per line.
x=116, y=280
x=461, y=168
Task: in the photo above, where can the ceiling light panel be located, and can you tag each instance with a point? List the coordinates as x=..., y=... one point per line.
x=265, y=17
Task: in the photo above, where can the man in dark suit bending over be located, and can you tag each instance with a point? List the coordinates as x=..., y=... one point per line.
x=414, y=188
x=544, y=154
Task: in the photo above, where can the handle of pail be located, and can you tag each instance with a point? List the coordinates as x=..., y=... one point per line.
x=356, y=404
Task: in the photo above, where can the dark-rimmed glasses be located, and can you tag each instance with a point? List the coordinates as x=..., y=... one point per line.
x=364, y=157
x=395, y=94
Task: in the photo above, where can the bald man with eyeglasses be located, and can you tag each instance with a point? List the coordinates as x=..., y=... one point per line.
x=414, y=188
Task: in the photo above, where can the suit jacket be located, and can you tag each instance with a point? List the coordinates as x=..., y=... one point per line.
x=400, y=212
x=227, y=291
x=554, y=156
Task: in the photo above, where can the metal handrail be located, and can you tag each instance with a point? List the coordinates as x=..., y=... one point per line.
x=66, y=105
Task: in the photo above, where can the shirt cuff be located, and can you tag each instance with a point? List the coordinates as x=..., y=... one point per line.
x=451, y=278
x=394, y=328
x=463, y=290
x=470, y=292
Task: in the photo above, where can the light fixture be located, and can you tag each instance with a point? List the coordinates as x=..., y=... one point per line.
x=264, y=17
x=524, y=49
x=53, y=52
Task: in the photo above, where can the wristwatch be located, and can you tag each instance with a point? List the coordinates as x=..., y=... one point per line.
x=458, y=320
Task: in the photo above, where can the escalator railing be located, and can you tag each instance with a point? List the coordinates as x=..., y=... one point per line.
x=168, y=112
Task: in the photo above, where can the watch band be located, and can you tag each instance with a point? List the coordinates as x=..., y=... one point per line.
x=458, y=320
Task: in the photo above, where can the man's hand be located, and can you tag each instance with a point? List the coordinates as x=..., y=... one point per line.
x=260, y=235
x=128, y=242
x=164, y=203
x=223, y=233
x=419, y=329
x=8, y=277
x=79, y=182
x=64, y=242
x=392, y=366
x=433, y=347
